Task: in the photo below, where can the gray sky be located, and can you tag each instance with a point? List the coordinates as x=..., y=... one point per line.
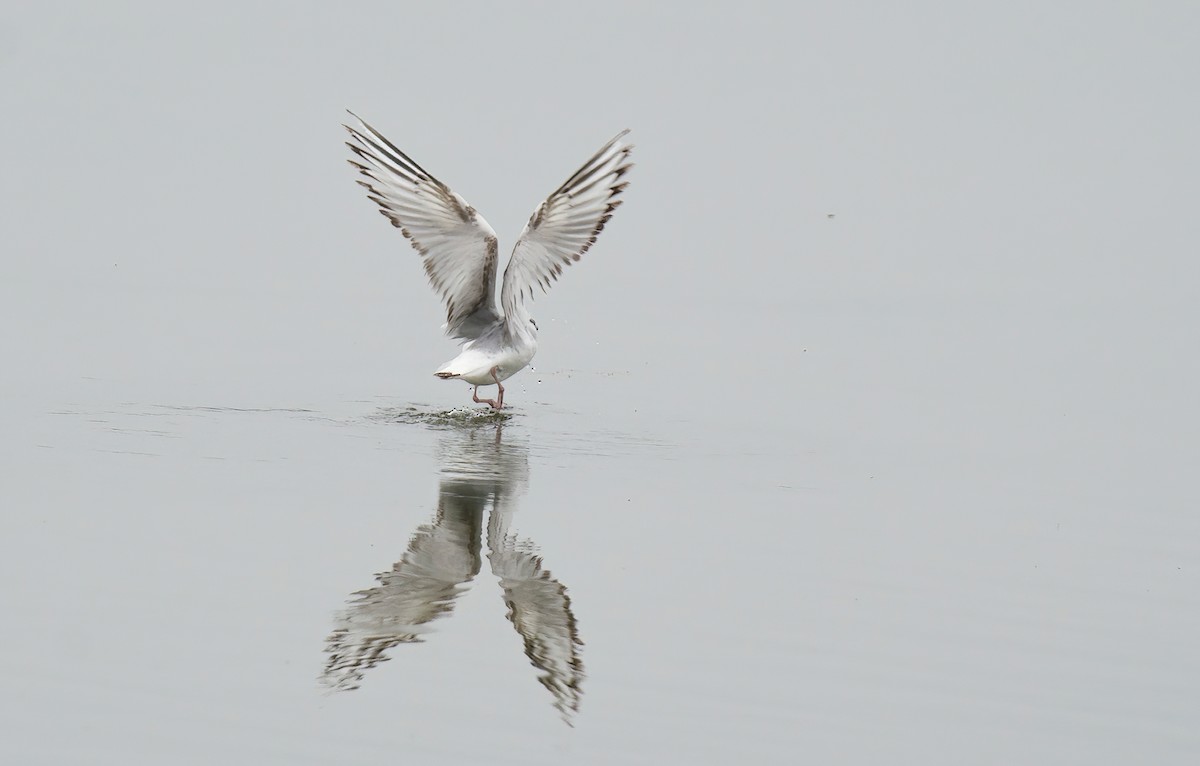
x=1019, y=154
x=1036, y=160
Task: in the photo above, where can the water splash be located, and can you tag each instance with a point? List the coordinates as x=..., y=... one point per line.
x=457, y=417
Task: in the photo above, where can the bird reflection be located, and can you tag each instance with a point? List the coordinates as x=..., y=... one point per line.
x=479, y=473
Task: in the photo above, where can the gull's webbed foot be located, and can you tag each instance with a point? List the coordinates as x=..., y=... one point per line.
x=500, y=397
x=492, y=402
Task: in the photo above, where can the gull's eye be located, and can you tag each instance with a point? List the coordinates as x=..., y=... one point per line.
x=533, y=323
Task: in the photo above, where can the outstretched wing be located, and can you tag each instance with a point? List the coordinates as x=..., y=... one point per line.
x=564, y=226
x=456, y=243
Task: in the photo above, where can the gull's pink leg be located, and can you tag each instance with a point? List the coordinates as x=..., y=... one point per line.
x=500, y=399
x=475, y=396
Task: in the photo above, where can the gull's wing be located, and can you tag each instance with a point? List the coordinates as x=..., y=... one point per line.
x=456, y=243
x=564, y=226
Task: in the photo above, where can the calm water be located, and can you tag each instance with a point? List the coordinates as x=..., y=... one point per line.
x=867, y=432
x=347, y=582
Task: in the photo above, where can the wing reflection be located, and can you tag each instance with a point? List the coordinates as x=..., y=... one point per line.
x=540, y=610
x=480, y=473
x=441, y=558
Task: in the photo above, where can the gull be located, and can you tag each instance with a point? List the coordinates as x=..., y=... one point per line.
x=459, y=249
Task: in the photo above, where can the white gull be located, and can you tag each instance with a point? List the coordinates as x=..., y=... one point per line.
x=459, y=249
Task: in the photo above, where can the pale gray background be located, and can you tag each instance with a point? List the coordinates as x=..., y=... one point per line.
x=911, y=484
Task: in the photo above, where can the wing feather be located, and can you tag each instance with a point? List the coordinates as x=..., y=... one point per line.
x=456, y=244
x=566, y=224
